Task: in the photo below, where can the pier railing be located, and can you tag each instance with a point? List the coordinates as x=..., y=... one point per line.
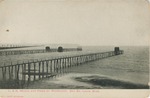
x=18, y=52
x=26, y=72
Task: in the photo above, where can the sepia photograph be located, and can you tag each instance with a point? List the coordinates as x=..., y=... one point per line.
x=74, y=45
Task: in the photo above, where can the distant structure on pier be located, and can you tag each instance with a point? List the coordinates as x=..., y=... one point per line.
x=47, y=49
x=116, y=49
x=79, y=48
x=60, y=49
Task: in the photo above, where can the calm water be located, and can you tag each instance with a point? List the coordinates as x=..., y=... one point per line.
x=129, y=69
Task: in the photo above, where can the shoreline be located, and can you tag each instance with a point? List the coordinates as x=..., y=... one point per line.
x=85, y=81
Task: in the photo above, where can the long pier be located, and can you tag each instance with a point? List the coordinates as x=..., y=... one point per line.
x=33, y=51
x=32, y=71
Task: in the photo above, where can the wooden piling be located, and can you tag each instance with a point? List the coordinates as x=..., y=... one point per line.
x=18, y=69
x=39, y=70
x=23, y=76
x=15, y=71
x=34, y=70
x=51, y=68
x=9, y=72
x=47, y=62
x=42, y=69
x=29, y=68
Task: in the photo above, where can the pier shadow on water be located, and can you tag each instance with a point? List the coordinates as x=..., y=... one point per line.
x=108, y=83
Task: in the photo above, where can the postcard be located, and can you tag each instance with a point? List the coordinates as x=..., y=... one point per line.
x=74, y=48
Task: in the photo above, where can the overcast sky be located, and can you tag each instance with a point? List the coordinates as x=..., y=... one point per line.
x=84, y=22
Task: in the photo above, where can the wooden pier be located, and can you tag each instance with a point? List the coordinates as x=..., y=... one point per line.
x=37, y=70
x=19, y=52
